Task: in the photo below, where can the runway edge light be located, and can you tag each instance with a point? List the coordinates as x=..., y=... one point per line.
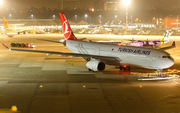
x=13, y=108
x=84, y=86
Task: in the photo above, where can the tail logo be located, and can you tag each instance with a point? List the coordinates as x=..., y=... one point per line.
x=66, y=31
x=6, y=22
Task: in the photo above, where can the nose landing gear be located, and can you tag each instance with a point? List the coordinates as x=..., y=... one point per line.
x=159, y=72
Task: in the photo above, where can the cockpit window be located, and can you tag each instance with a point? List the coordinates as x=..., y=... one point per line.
x=166, y=56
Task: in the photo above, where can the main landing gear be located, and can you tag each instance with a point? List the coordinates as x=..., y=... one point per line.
x=125, y=68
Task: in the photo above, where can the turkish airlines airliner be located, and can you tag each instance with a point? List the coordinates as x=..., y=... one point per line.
x=98, y=55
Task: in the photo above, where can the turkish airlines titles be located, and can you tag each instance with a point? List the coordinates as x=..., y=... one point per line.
x=134, y=51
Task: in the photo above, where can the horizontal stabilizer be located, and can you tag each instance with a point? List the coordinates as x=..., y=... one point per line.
x=169, y=47
x=81, y=39
x=48, y=40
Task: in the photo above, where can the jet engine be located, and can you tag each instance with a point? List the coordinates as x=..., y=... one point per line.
x=95, y=65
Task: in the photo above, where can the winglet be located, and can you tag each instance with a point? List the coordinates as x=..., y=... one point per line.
x=5, y=46
x=173, y=44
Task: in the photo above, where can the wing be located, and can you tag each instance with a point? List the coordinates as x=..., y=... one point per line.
x=110, y=42
x=61, y=41
x=48, y=40
x=81, y=39
x=141, y=40
x=106, y=59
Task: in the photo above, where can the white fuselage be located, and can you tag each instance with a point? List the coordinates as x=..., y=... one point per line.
x=144, y=57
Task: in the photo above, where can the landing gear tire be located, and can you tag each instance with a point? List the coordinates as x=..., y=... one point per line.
x=128, y=68
x=89, y=69
x=120, y=68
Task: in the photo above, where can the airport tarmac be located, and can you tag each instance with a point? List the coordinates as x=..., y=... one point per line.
x=37, y=83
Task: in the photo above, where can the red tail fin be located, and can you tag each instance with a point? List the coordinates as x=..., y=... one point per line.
x=67, y=32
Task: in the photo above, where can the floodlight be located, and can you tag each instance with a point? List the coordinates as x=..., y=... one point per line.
x=126, y=2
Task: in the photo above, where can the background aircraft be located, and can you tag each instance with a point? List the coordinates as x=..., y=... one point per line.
x=10, y=29
x=98, y=55
x=142, y=43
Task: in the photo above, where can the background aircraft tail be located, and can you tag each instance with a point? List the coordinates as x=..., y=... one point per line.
x=6, y=23
x=166, y=37
x=67, y=32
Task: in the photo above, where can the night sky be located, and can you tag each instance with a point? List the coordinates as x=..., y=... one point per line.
x=89, y=3
x=143, y=9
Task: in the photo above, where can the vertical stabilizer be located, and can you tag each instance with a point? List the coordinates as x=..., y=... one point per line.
x=67, y=32
x=166, y=37
x=6, y=23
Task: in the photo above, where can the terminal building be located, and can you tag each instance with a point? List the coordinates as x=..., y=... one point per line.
x=171, y=22
x=44, y=24
x=106, y=5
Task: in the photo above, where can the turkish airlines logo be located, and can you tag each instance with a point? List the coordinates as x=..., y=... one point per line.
x=67, y=30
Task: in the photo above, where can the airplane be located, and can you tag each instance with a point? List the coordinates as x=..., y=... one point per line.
x=10, y=29
x=98, y=55
x=142, y=43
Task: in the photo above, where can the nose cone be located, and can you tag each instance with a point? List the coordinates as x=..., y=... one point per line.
x=170, y=62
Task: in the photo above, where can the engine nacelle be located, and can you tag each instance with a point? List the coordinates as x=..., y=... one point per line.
x=95, y=65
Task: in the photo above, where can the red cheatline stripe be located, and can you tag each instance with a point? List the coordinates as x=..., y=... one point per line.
x=5, y=46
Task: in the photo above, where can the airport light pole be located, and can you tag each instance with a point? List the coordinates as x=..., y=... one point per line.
x=100, y=17
x=32, y=16
x=115, y=19
x=177, y=21
x=75, y=17
x=126, y=3
x=10, y=16
x=86, y=17
x=54, y=16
